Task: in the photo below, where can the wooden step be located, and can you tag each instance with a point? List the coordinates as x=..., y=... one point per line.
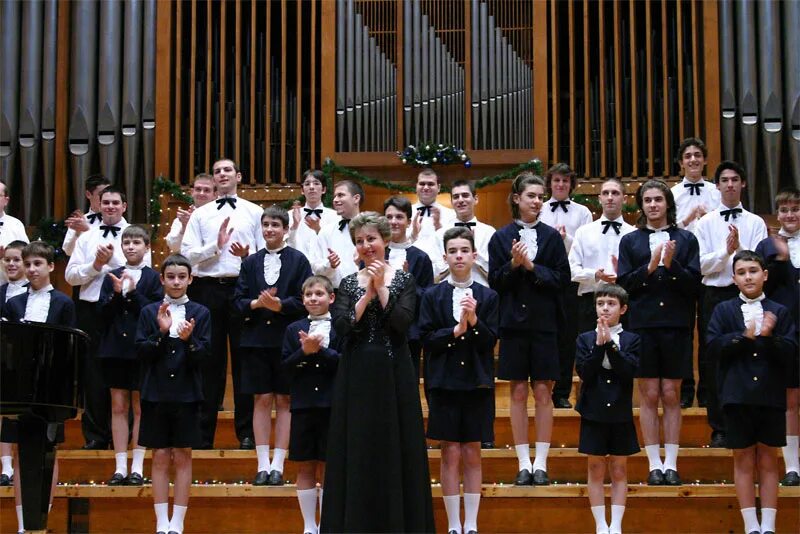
x=695, y=431
x=219, y=508
x=697, y=465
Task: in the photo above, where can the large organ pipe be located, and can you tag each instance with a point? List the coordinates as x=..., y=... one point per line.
x=49, y=61
x=132, y=92
x=148, y=96
x=350, y=89
x=9, y=82
x=417, y=62
x=359, y=78
x=476, y=72
x=30, y=100
x=340, y=73
x=408, y=80
x=108, y=87
x=791, y=45
x=82, y=123
x=748, y=92
x=484, y=66
x=425, y=78
x=770, y=91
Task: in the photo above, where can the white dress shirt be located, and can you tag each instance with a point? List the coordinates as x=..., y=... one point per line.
x=177, y=311
x=135, y=272
x=686, y=200
x=592, y=250
x=753, y=311
x=93, y=218
x=793, y=242
x=712, y=231
x=175, y=236
x=80, y=269
x=304, y=238
x=200, y=238
x=460, y=290
x=17, y=287
x=38, y=305
x=341, y=243
x=576, y=216
x=615, y=331
x=320, y=325
x=426, y=239
x=483, y=234
x=11, y=229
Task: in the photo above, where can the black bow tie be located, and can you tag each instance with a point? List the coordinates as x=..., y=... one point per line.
x=93, y=217
x=317, y=212
x=107, y=228
x=694, y=189
x=466, y=224
x=611, y=224
x=229, y=200
x=343, y=223
x=563, y=203
x=733, y=212
x=424, y=210
x=1, y=223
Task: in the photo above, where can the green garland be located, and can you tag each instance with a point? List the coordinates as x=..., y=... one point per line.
x=433, y=154
x=160, y=186
x=52, y=232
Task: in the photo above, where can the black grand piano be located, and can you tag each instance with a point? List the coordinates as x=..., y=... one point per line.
x=39, y=390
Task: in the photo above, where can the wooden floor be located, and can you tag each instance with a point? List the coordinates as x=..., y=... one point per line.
x=224, y=501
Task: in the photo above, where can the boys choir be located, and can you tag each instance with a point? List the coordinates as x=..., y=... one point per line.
x=552, y=286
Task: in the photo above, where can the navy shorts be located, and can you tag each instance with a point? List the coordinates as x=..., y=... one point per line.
x=533, y=356
x=166, y=425
x=260, y=371
x=603, y=439
x=308, y=435
x=747, y=425
x=121, y=373
x=461, y=416
x=666, y=353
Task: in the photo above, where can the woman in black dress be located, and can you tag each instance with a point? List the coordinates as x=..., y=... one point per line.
x=377, y=477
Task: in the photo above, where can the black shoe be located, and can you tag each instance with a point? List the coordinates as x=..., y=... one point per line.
x=161, y=532
x=701, y=402
x=5, y=480
x=562, y=403
x=452, y=531
x=172, y=532
x=792, y=478
x=262, y=478
x=655, y=478
x=524, y=478
x=275, y=478
x=135, y=479
x=671, y=478
x=247, y=444
x=687, y=400
x=95, y=445
x=117, y=480
x=540, y=478
x=472, y=532
x=768, y=532
x=487, y=444
x=717, y=440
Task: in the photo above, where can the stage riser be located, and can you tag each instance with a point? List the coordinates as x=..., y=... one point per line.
x=500, y=515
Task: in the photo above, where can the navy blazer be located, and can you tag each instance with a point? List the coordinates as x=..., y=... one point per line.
x=751, y=371
x=466, y=362
x=120, y=315
x=61, y=312
x=529, y=300
x=606, y=394
x=3, y=293
x=262, y=327
x=783, y=283
x=312, y=375
x=171, y=366
x=421, y=268
x=664, y=298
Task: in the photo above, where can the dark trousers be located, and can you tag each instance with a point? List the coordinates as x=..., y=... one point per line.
x=711, y=297
x=225, y=330
x=566, y=341
x=587, y=314
x=688, y=384
x=96, y=417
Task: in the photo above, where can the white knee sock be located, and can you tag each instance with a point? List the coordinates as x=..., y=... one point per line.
x=277, y=460
x=162, y=516
x=472, y=501
x=600, y=525
x=8, y=465
x=671, y=456
x=137, y=464
x=20, y=524
x=790, y=452
x=452, y=504
x=524, y=456
x=750, y=520
x=176, y=523
x=262, y=452
x=617, y=512
x=653, y=457
x=122, y=463
x=308, y=507
x=540, y=461
x=768, y=519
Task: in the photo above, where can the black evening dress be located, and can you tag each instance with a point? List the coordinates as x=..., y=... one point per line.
x=376, y=476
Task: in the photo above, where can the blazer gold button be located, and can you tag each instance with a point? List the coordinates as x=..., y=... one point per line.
x=608, y=381
x=608, y=404
x=755, y=379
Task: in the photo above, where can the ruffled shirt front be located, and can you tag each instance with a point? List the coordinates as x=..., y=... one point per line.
x=753, y=311
x=177, y=310
x=38, y=305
